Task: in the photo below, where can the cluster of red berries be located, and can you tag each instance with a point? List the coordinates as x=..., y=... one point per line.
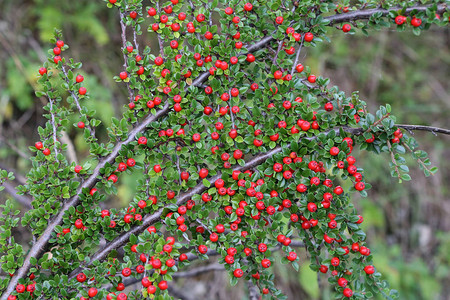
x=21, y=288
x=40, y=146
x=398, y=134
x=400, y=20
x=56, y=59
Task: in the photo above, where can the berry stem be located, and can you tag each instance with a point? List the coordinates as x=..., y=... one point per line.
x=377, y=122
x=420, y=161
x=394, y=162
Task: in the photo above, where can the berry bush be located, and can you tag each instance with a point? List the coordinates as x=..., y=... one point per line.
x=238, y=149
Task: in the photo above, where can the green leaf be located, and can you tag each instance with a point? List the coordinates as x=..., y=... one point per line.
x=233, y=280
x=406, y=177
x=206, y=183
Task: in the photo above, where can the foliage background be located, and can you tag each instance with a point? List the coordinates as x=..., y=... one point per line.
x=407, y=224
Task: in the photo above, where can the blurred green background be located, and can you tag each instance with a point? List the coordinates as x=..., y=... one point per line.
x=407, y=224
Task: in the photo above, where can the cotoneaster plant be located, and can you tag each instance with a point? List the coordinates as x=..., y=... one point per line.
x=242, y=152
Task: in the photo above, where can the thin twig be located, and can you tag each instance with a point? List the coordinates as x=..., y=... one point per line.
x=11, y=189
x=394, y=162
x=124, y=46
x=367, y=13
x=179, y=170
x=54, y=129
x=77, y=102
x=418, y=159
x=280, y=45
x=160, y=41
x=14, y=148
x=297, y=56
x=199, y=270
x=377, y=122
x=193, y=17
x=431, y=129
x=136, y=44
x=203, y=225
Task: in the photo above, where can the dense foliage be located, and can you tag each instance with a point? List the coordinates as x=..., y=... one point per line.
x=243, y=152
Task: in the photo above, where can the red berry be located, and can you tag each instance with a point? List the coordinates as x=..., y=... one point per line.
x=163, y=285
x=416, y=22
x=399, y=20
x=151, y=12
x=250, y=58
x=334, y=151
x=292, y=256
x=309, y=37
x=79, y=78
x=39, y=145
x=323, y=269
x=81, y=277
x=122, y=296
x=92, y=292
x=342, y=282
x=359, y=186
x=82, y=91
x=312, y=207
x=31, y=288
x=278, y=74
x=133, y=15
x=312, y=78
x=346, y=27
x=265, y=263
x=79, y=223
x=159, y=61
x=203, y=173
x=347, y=292
x=369, y=269
x=208, y=35
x=142, y=140
x=200, y=18
x=238, y=273
x=202, y=249
x=20, y=288
x=335, y=261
